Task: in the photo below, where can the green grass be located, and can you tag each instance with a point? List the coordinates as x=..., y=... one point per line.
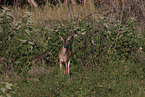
x=123, y=79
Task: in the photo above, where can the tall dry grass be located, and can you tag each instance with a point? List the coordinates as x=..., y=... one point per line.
x=60, y=13
x=93, y=9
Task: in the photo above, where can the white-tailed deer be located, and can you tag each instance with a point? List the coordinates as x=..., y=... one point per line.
x=64, y=54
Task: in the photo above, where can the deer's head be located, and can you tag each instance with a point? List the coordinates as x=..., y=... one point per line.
x=65, y=41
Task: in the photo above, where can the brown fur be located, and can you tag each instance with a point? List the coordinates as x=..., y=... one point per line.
x=64, y=54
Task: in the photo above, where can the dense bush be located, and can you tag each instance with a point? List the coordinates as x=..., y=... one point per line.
x=109, y=40
x=22, y=44
x=121, y=40
x=17, y=47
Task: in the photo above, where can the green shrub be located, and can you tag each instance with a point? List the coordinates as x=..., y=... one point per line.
x=23, y=44
x=17, y=47
x=117, y=41
x=109, y=40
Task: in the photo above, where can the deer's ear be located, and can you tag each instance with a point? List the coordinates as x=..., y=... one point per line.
x=69, y=38
x=61, y=38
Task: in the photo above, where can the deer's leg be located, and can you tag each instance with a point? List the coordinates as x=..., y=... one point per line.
x=60, y=67
x=60, y=64
x=68, y=66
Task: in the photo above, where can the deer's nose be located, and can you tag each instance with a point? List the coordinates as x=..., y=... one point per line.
x=65, y=46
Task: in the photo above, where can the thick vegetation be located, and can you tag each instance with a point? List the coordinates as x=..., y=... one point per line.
x=106, y=59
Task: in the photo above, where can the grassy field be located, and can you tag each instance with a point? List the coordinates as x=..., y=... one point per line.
x=113, y=80
x=105, y=59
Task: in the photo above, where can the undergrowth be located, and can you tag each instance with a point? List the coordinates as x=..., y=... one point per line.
x=118, y=79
